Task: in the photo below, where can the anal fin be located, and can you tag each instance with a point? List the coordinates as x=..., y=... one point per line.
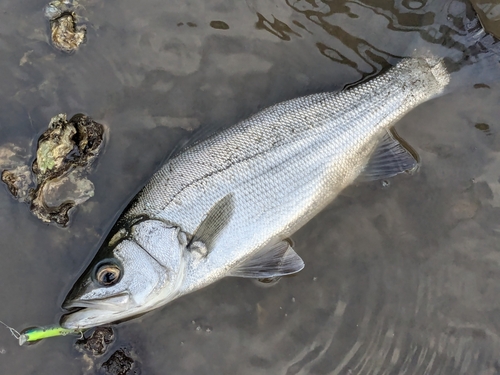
x=272, y=261
x=391, y=157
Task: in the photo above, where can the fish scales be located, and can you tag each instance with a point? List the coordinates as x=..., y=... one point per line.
x=285, y=163
x=224, y=205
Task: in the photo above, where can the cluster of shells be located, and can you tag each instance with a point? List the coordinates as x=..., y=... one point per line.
x=56, y=181
x=65, y=34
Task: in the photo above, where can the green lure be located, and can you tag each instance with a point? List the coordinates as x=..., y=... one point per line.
x=30, y=335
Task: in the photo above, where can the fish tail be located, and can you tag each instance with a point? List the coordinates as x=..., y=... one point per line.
x=458, y=41
x=480, y=64
x=475, y=56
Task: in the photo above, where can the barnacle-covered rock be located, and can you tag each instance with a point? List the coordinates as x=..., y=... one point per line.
x=54, y=145
x=98, y=342
x=67, y=143
x=57, y=196
x=120, y=363
x=65, y=34
x=14, y=171
x=65, y=153
x=18, y=181
x=73, y=187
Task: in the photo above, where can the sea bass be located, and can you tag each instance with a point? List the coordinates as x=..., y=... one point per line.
x=225, y=206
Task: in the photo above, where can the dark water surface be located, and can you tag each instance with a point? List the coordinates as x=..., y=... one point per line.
x=401, y=279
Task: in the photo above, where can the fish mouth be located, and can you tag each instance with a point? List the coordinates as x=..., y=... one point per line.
x=72, y=310
x=83, y=314
x=116, y=302
x=87, y=317
x=72, y=307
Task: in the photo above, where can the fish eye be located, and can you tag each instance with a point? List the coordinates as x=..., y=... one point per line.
x=108, y=274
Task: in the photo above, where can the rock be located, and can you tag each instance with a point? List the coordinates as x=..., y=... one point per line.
x=18, y=181
x=65, y=34
x=65, y=154
x=98, y=342
x=119, y=363
x=54, y=145
x=70, y=188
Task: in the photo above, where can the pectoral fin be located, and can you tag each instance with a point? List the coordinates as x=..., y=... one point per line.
x=391, y=157
x=216, y=220
x=273, y=261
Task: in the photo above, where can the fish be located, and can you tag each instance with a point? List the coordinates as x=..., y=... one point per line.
x=225, y=206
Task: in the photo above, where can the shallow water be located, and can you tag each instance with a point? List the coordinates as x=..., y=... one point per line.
x=399, y=279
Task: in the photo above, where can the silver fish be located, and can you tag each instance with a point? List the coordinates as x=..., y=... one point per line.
x=226, y=205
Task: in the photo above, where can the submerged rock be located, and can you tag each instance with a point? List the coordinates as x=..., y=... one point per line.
x=14, y=171
x=66, y=144
x=53, y=147
x=97, y=343
x=65, y=153
x=120, y=363
x=65, y=34
x=72, y=187
x=57, y=196
x=18, y=181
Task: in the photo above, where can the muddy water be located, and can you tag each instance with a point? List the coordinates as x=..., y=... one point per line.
x=400, y=278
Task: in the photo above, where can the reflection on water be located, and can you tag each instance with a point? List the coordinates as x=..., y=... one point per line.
x=442, y=24
x=275, y=27
x=399, y=279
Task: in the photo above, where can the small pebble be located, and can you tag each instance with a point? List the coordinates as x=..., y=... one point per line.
x=220, y=25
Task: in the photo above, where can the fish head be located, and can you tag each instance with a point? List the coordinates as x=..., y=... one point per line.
x=137, y=270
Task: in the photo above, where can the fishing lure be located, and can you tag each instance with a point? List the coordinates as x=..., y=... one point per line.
x=31, y=335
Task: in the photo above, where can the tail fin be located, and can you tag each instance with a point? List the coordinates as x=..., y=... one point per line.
x=473, y=53
x=480, y=61
x=457, y=36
